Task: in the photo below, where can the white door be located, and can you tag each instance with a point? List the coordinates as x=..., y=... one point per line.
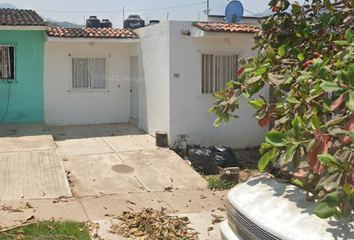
x=134, y=81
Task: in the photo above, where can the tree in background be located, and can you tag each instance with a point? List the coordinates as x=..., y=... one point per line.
x=306, y=58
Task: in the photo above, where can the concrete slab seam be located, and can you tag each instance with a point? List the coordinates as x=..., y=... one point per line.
x=106, y=143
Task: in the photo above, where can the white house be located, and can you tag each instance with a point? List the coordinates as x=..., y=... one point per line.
x=160, y=78
x=87, y=75
x=180, y=72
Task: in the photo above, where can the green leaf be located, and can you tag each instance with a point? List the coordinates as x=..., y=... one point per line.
x=266, y=158
x=324, y=211
x=347, y=188
x=351, y=135
x=293, y=100
x=341, y=43
x=336, y=121
x=298, y=182
x=350, y=101
x=301, y=57
x=217, y=122
x=315, y=122
x=328, y=160
x=276, y=139
x=350, y=75
x=328, y=5
x=329, y=206
x=271, y=54
x=276, y=79
x=264, y=147
x=218, y=96
x=332, y=199
x=253, y=80
x=256, y=103
x=304, y=77
x=349, y=35
x=311, y=145
x=290, y=153
x=330, y=86
x=282, y=50
x=260, y=71
x=298, y=127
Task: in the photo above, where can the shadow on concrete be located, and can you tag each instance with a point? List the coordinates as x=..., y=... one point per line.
x=62, y=133
x=23, y=130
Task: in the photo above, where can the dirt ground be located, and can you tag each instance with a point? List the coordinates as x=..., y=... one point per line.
x=249, y=157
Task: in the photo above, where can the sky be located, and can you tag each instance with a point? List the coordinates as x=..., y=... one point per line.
x=112, y=9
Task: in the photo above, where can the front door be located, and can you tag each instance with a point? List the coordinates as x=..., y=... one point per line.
x=134, y=81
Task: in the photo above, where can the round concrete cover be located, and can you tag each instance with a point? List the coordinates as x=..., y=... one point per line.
x=123, y=169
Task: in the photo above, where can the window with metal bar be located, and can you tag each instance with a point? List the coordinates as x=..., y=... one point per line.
x=89, y=73
x=7, y=62
x=217, y=70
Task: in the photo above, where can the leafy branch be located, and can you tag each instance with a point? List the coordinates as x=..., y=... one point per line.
x=306, y=59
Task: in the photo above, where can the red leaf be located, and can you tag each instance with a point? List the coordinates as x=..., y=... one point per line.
x=350, y=124
x=321, y=147
x=338, y=103
x=264, y=122
x=239, y=72
x=306, y=64
x=346, y=139
x=275, y=9
x=316, y=55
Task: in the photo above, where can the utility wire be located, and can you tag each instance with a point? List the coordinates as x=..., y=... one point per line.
x=140, y=10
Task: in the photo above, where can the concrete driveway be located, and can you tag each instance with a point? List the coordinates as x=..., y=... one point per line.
x=91, y=154
x=30, y=167
x=111, y=168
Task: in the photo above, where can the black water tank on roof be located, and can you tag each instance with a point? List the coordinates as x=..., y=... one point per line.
x=93, y=22
x=105, y=23
x=134, y=22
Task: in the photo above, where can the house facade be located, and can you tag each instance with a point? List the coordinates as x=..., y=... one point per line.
x=159, y=78
x=21, y=66
x=182, y=64
x=87, y=75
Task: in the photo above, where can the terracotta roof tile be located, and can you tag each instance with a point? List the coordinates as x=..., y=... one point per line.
x=226, y=27
x=118, y=33
x=17, y=17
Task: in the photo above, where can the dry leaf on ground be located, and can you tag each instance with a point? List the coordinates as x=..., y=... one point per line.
x=152, y=224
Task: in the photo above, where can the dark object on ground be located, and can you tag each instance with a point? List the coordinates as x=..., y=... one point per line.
x=231, y=175
x=203, y=160
x=161, y=139
x=225, y=157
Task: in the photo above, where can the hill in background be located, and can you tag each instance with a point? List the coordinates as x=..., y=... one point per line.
x=51, y=22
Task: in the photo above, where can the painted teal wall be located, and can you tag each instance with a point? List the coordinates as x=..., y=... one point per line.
x=26, y=96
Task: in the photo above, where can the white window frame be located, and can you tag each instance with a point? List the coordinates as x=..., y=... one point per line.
x=14, y=77
x=216, y=86
x=107, y=69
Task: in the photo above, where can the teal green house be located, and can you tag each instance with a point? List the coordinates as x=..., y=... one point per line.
x=21, y=66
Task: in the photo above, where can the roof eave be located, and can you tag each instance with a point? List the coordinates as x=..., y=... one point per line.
x=199, y=33
x=23, y=28
x=88, y=40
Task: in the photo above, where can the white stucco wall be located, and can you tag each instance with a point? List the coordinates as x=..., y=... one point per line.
x=63, y=106
x=189, y=107
x=154, y=85
x=176, y=105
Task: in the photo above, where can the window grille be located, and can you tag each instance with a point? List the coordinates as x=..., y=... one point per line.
x=7, y=62
x=217, y=70
x=89, y=73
